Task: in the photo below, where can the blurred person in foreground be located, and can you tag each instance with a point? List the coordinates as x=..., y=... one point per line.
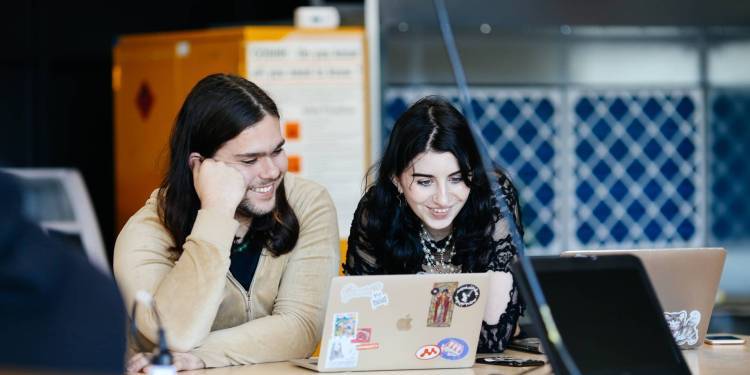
x=57, y=312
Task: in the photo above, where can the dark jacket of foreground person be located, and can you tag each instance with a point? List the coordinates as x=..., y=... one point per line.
x=57, y=312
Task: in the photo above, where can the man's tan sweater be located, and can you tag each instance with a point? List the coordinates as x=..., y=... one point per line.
x=205, y=311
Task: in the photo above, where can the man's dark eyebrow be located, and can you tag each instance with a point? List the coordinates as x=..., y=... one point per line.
x=259, y=154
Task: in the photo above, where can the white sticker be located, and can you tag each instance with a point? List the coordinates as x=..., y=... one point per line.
x=378, y=299
x=342, y=353
x=684, y=326
x=351, y=291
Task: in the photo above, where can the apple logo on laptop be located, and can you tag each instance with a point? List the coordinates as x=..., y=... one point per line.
x=404, y=324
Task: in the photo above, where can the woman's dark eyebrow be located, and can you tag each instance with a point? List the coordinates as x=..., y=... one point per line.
x=429, y=175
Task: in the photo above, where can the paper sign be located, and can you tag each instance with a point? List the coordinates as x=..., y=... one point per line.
x=319, y=87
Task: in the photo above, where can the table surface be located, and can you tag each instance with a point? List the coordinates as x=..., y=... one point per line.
x=708, y=359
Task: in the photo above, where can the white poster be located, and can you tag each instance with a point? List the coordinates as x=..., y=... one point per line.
x=319, y=87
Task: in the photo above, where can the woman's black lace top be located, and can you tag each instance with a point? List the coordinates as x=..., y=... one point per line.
x=362, y=259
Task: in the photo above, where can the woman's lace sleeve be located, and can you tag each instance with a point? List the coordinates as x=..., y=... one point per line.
x=360, y=254
x=494, y=337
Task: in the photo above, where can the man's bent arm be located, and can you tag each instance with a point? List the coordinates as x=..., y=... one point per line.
x=187, y=291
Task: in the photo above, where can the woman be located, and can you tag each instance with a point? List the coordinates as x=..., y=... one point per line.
x=431, y=209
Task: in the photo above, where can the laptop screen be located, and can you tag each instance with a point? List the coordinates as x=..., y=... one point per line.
x=608, y=317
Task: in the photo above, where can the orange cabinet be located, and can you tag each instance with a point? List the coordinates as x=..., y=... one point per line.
x=151, y=76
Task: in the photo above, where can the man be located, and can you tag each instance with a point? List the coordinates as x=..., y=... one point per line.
x=57, y=312
x=237, y=254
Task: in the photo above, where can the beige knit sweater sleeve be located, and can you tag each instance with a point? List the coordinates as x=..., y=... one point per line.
x=187, y=291
x=294, y=327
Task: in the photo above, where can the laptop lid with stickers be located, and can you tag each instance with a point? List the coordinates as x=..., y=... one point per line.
x=685, y=280
x=606, y=313
x=398, y=322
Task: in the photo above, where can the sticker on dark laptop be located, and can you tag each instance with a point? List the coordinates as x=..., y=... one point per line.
x=440, y=312
x=466, y=295
x=453, y=348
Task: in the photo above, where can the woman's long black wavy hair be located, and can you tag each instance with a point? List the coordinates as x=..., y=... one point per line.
x=217, y=109
x=431, y=124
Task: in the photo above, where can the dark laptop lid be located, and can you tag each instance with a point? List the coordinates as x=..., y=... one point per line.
x=606, y=313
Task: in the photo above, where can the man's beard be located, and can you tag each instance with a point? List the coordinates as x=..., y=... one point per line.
x=247, y=209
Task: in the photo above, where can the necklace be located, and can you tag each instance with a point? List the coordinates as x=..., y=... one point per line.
x=237, y=246
x=437, y=259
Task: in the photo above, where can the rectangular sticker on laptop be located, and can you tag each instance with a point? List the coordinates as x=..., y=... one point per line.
x=363, y=335
x=345, y=325
x=341, y=351
x=441, y=306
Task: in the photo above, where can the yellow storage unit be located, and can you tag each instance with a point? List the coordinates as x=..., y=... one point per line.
x=151, y=76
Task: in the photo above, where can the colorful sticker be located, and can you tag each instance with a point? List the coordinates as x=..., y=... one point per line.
x=453, y=348
x=441, y=305
x=352, y=291
x=466, y=295
x=342, y=353
x=684, y=326
x=363, y=335
x=368, y=346
x=428, y=352
x=378, y=299
x=345, y=325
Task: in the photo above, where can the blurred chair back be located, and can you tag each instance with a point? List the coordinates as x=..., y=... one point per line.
x=57, y=200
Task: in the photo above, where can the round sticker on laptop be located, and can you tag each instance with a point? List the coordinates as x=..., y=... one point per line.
x=453, y=349
x=466, y=295
x=428, y=352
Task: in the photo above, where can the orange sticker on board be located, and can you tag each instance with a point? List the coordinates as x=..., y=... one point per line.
x=295, y=163
x=291, y=130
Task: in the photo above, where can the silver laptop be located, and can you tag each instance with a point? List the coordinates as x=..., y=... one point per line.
x=399, y=322
x=685, y=281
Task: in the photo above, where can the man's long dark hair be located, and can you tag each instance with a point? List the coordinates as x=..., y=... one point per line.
x=218, y=109
x=431, y=124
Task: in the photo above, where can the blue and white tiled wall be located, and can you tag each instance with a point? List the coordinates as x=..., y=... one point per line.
x=598, y=168
x=637, y=169
x=729, y=118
